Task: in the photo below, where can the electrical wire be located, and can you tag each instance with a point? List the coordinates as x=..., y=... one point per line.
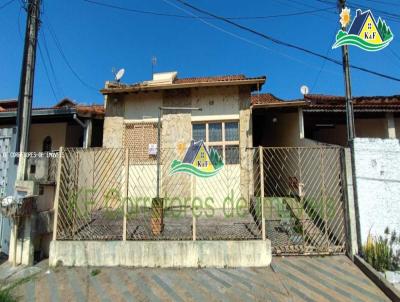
x=47, y=53
x=389, y=16
x=47, y=73
x=245, y=39
x=6, y=4
x=192, y=17
x=286, y=44
x=60, y=50
x=323, y=62
x=394, y=54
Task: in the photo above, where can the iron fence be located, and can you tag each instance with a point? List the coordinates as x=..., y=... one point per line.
x=304, y=203
x=110, y=194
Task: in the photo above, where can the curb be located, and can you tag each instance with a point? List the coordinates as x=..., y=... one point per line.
x=375, y=277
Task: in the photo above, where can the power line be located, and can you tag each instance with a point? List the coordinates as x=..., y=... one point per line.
x=384, y=2
x=47, y=73
x=394, y=54
x=60, y=50
x=323, y=62
x=283, y=43
x=47, y=53
x=160, y=14
x=6, y=4
x=245, y=39
x=389, y=16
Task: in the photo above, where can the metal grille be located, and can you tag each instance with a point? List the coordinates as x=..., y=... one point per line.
x=110, y=194
x=304, y=206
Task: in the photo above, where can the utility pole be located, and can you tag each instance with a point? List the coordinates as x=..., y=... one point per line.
x=27, y=82
x=349, y=101
x=25, y=100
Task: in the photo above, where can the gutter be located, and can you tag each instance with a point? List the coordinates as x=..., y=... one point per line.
x=41, y=112
x=87, y=126
x=282, y=105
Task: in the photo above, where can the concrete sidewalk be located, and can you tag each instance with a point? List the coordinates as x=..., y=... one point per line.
x=333, y=278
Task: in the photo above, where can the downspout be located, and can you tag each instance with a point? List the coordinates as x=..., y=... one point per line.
x=87, y=126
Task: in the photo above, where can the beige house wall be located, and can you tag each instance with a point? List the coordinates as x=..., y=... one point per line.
x=217, y=104
x=38, y=133
x=371, y=127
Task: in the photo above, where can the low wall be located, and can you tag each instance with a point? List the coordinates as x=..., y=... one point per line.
x=255, y=253
x=377, y=167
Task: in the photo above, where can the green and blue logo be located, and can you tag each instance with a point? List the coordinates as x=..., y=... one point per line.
x=364, y=31
x=198, y=161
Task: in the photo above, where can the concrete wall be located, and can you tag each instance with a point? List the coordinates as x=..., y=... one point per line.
x=144, y=109
x=377, y=163
x=161, y=253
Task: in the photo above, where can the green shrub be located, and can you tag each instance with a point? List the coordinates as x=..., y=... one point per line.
x=380, y=251
x=5, y=296
x=95, y=272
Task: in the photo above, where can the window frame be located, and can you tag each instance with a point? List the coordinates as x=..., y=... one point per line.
x=223, y=143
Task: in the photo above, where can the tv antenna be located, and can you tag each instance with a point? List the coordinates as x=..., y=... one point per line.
x=153, y=64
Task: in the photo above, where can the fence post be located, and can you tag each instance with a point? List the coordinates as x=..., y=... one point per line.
x=194, y=229
x=125, y=195
x=57, y=195
x=260, y=153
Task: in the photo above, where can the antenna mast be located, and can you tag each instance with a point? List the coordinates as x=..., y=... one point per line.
x=153, y=64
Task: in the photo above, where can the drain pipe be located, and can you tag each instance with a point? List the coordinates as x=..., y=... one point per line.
x=87, y=126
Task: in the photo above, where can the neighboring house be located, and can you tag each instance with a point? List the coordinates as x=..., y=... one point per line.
x=322, y=118
x=65, y=124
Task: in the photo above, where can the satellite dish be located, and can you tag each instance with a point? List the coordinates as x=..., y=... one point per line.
x=304, y=90
x=119, y=74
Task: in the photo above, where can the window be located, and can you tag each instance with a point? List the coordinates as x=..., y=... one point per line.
x=46, y=147
x=215, y=132
x=199, y=132
x=231, y=131
x=369, y=26
x=221, y=136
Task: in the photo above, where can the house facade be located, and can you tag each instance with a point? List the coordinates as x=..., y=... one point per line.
x=322, y=119
x=215, y=110
x=66, y=124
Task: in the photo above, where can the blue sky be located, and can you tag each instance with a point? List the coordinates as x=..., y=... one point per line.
x=95, y=39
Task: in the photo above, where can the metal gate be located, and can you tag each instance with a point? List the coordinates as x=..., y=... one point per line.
x=304, y=200
x=107, y=194
x=111, y=194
